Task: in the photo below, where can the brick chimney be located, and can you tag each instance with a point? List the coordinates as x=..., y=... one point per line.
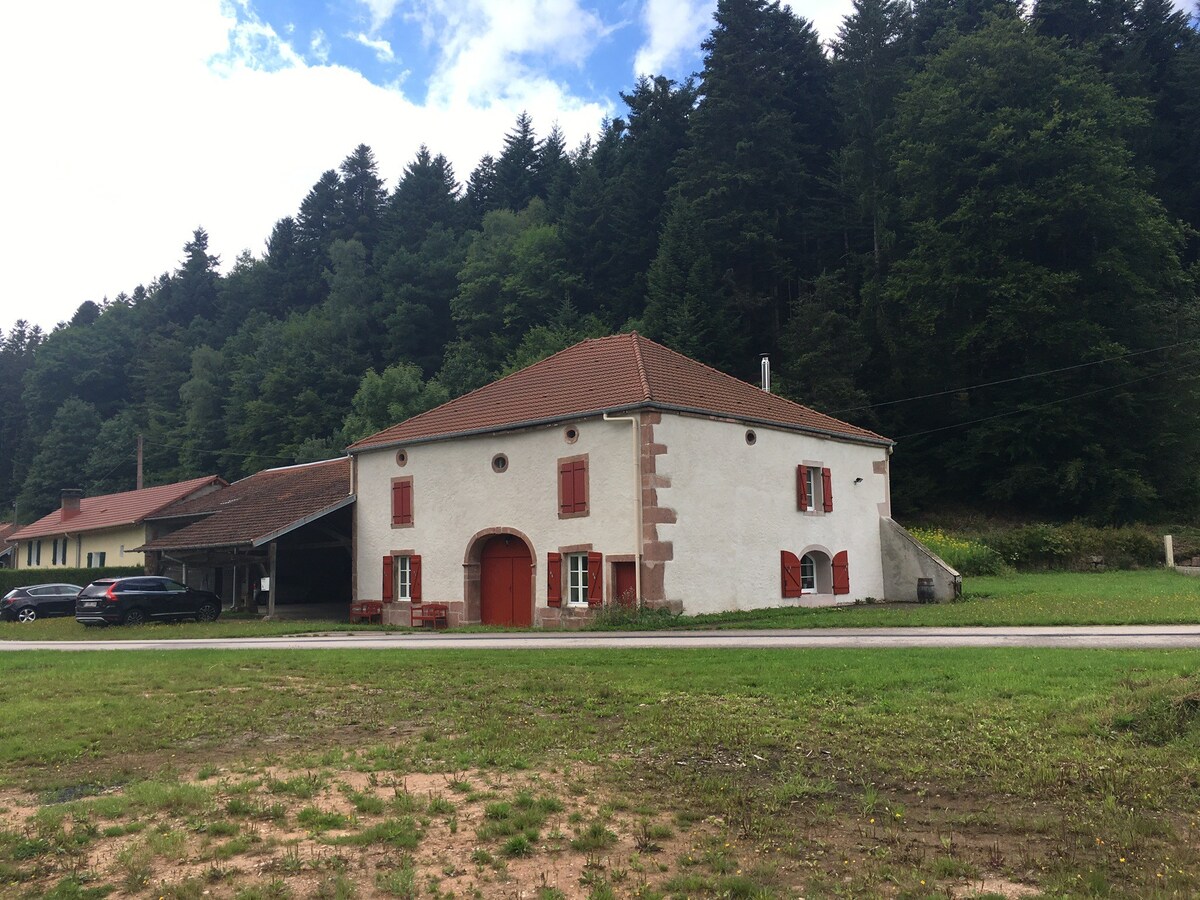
x=70, y=502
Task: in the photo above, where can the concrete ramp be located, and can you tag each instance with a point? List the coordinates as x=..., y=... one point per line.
x=911, y=571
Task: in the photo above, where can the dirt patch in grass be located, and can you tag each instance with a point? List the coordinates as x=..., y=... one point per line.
x=284, y=830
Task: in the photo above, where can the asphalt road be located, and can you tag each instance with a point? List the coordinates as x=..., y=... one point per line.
x=1124, y=637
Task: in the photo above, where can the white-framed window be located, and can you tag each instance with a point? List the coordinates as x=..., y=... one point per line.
x=95, y=560
x=808, y=574
x=403, y=566
x=810, y=484
x=577, y=579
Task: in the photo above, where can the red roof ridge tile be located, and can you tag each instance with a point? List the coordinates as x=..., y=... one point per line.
x=641, y=363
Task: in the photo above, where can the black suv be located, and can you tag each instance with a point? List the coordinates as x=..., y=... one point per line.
x=132, y=601
x=38, y=601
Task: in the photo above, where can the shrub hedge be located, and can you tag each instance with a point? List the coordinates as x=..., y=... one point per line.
x=1076, y=547
x=11, y=578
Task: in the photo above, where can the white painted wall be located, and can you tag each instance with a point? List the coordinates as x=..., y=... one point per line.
x=736, y=510
x=456, y=495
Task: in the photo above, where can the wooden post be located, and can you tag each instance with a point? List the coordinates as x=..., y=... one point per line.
x=273, y=555
x=1169, y=546
x=139, y=463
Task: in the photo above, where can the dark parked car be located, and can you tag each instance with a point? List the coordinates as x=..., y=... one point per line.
x=132, y=601
x=38, y=601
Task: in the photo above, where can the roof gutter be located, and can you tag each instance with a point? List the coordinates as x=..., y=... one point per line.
x=629, y=407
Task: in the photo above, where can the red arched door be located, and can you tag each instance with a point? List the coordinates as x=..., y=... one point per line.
x=506, y=582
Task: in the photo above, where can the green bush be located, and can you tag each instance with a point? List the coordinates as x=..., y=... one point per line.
x=11, y=578
x=1076, y=546
x=969, y=557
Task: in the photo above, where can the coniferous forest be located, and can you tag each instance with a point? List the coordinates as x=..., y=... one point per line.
x=965, y=224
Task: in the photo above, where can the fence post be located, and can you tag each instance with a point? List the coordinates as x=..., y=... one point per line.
x=1169, y=546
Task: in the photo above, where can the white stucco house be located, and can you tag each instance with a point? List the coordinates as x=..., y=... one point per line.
x=619, y=469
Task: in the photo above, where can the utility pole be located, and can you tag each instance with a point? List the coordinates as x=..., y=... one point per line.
x=139, y=463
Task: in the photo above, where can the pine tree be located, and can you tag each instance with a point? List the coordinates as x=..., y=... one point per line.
x=1034, y=245
x=482, y=195
x=758, y=151
x=517, y=179
x=361, y=197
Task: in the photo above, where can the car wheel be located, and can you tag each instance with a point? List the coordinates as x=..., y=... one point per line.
x=134, y=617
x=27, y=614
x=208, y=612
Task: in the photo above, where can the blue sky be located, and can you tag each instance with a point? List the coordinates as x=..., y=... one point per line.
x=128, y=123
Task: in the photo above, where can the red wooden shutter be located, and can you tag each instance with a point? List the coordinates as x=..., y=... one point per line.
x=841, y=573
x=554, y=579
x=802, y=488
x=595, y=579
x=406, y=503
x=579, y=477
x=572, y=486
x=414, y=578
x=789, y=566
x=389, y=579
x=402, y=503
x=827, y=489
x=566, y=488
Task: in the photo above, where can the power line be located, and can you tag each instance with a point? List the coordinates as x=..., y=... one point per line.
x=987, y=384
x=219, y=452
x=1025, y=409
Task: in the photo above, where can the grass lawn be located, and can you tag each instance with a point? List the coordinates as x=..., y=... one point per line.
x=1147, y=597
x=555, y=774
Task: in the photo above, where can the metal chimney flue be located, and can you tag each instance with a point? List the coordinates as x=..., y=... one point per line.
x=765, y=364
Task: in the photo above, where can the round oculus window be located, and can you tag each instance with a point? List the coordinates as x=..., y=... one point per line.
x=571, y=434
x=499, y=463
x=751, y=437
x=401, y=457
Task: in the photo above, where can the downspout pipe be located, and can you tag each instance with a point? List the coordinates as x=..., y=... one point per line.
x=636, y=432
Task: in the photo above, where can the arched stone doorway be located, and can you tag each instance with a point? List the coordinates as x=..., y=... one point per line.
x=499, y=579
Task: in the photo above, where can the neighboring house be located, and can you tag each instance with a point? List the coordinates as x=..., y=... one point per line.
x=6, y=547
x=92, y=532
x=290, y=525
x=614, y=470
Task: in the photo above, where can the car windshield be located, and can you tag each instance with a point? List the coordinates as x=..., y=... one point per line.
x=96, y=589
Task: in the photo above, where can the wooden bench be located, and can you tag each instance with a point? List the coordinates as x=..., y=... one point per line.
x=435, y=614
x=366, y=611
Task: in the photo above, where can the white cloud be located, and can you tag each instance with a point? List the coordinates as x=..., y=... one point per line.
x=318, y=46
x=673, y=28
x=383, y=50
x=128, y=124
x=381, y=11
x=493, y=49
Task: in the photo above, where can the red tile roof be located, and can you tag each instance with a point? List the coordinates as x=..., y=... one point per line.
x=113, y=510
x=6, y=528
x=252, y=511
x=625, y=371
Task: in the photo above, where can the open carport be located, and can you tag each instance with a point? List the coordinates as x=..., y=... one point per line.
x=279, y=538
